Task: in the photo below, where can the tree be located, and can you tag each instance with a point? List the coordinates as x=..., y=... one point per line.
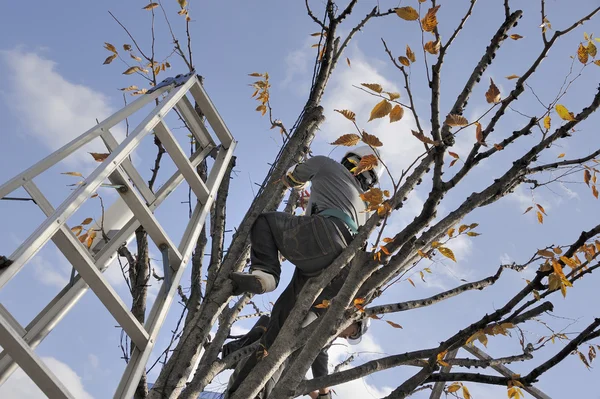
x=390, y=259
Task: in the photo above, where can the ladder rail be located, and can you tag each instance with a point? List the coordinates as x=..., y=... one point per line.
x=159, y=311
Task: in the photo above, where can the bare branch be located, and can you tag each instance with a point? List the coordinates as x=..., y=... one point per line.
x=555, y=165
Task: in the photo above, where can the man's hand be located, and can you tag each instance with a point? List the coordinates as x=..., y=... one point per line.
x=320, y=394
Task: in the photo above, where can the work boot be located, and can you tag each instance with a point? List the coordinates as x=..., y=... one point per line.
x=256, y=282
x=5, y=262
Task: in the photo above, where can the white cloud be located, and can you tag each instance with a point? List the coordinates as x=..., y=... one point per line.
x=52, y=109
x=19, y=385
x=54, y=274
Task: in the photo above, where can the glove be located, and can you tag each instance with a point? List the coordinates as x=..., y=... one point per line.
x=325, y=395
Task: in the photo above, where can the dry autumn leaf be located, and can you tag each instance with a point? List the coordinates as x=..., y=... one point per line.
x=595, y=192
x=90, y=239
x=410, y=54
x=440, y=359
x=348, y=114
x=591, y=49
x=323, y=305
x=541, y=208
x=582, y=54
x=395, y=325
x=407, y=13
x=380, y=110
x=456, y=120
x=99, y=157
x=411, y=282
x=150, y=6
x=135, y=57
x=432, y=47
x=564, y=113
x=547, y=122
x=510, y=77
x=87, y=221
x=110, y=47
x=466, y=393
x=129, y=88
x=479, y=134
x=424, y=138
x=515, y=36
x=371, y=140
x=545, y=253
x=109, y=59
x=393, y=95
x=396, y=113
x=447, y=252
x=586, y=177
x=348, y=62
x=373, y=86
x=77, y=230
x=429, y=21
x=540, y=217
x=132, y=70
x=454, y=387
x=72, y=174
x=404, y=61
x=367, y=162
x=348, y=140
x=492, y=96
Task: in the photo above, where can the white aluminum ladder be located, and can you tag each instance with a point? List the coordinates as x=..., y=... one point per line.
x=135, y=207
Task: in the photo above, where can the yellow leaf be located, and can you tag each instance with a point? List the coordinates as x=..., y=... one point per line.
x=395, y=325
x=127, y=47
x=540, y=217
x=110, y=47
x=432, y=47
x=473, y=234
x=545, y=253
x=348, y=140
x=561, y=155
x=262, y=109
x=424, y=138
x=109, y=59
x=388, y=240
x=150, y=6
x=582, y=54
x=255, y=74
x=367, y=162
x=77, y=230
x=454, y=387
x=404, y=61
x=564, y=113
x=129, y=88
x=447, y=252
x=411, y=282
x=323, y=305
x=462, y=228
x=435, y=244
x=595, y=192
x=456, y=120
x=515, y=36
x=410, y=54
x=586, y=177
x=182, y=3
x=407, y=13
x=493, y=93
x=440, y=359
x=373, y=86
x=450, y=232
x=138, y=92
x=348, y=62
x=371, y=140
x=82, y=237
x=99, y=157
x=348, y=114
x=131, y=70
x=393, y=95
x=72, y=174
x=547, y=122
x=557, y=250
x=466, y=394
x=479, y=134
x=90, y=239
x=429, y=21
x=87, y=221
x=498, y=147
x=135, y=57
x=359, y=301
x=385, y=250
x=453, y=154
x=569, y=262
x=396, y=113
x=591, y=49
x=510, y=77
x=380, y=110
x=422, y=254
x=386, y=193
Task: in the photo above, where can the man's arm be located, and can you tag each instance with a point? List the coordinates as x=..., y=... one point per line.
x=298, y=175
x=320, y=368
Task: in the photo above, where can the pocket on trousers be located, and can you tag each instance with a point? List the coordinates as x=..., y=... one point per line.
x=309, y=239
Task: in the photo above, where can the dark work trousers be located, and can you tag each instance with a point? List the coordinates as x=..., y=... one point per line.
x=311, y=243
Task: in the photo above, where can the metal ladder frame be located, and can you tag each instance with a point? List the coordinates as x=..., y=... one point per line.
x=136, y=206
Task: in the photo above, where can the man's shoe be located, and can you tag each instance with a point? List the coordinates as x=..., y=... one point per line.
x=246, y=282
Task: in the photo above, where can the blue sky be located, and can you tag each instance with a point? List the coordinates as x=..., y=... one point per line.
x=53, y=86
